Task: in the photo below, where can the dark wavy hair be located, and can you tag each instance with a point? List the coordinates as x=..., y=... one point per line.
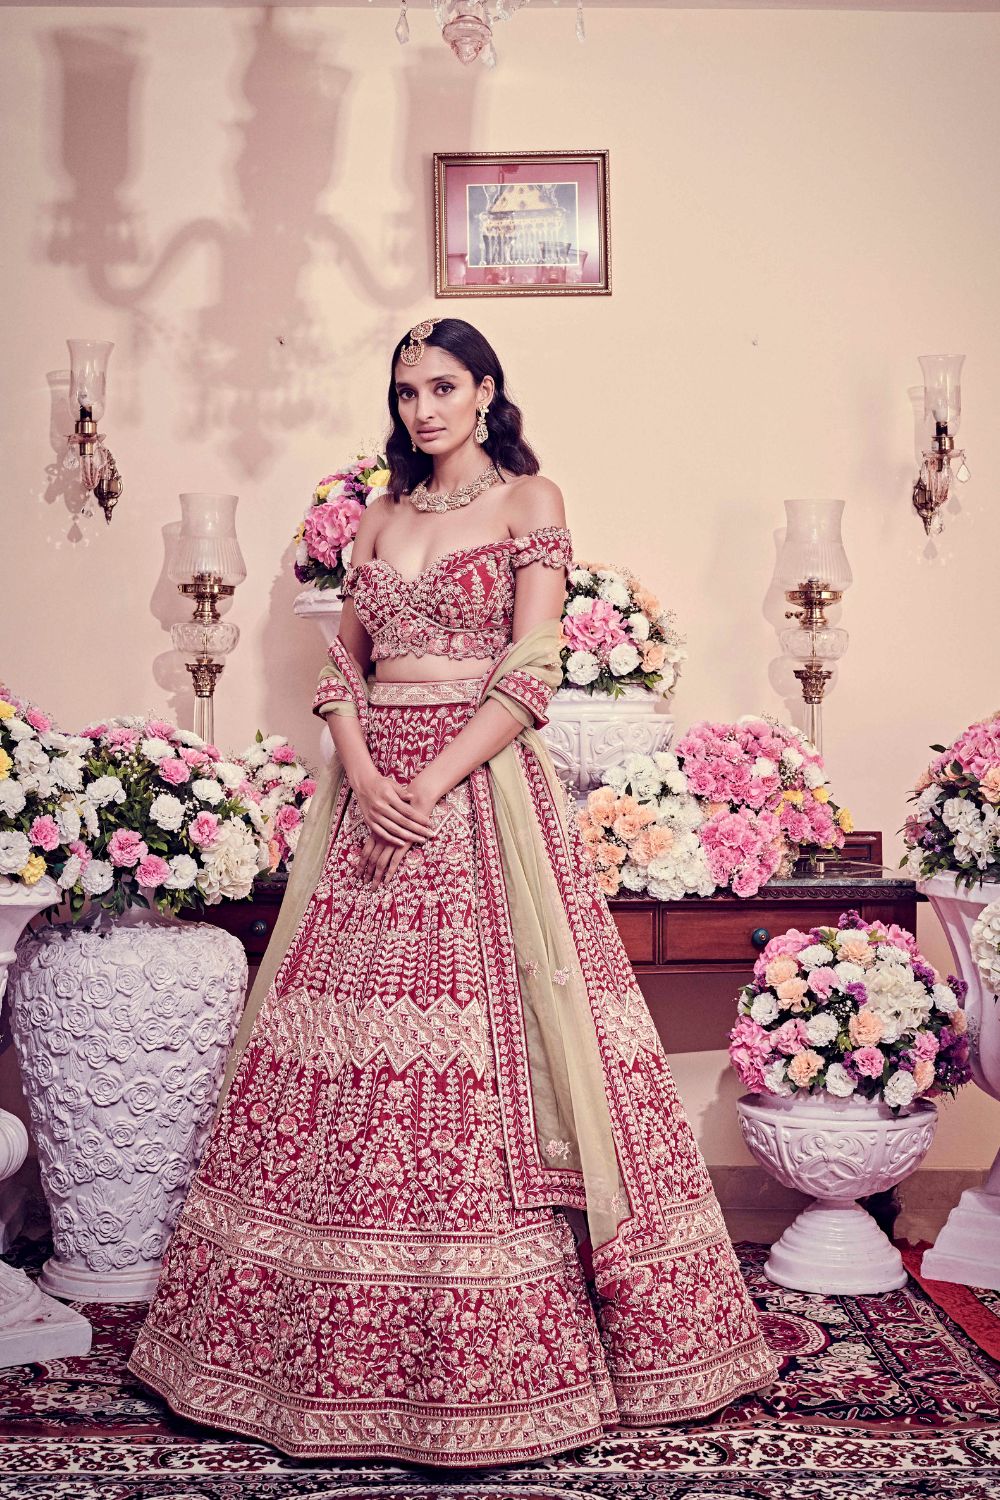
x=506, y=445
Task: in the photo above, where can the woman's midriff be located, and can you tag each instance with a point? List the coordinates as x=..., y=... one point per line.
x=430, y=668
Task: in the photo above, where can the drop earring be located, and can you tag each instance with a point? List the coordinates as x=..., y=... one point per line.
x=413, y=445
x=482, y=431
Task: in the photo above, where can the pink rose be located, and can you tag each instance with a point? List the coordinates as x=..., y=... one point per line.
x=173, y=771
x=822, y=982
x=287, y=818
x=869, y=1062
x=126, y=848
x=152, y=871
x=598, y=629
x=44, y=833
x=283, y=755
x=39, y=721
x=204, y=829
x=790, y=1037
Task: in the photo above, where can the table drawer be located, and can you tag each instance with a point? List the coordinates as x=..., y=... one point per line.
x=728, y=935
x=637, y=930
x=251, y=922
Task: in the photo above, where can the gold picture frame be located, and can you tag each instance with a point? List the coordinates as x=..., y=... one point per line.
x=521, y=223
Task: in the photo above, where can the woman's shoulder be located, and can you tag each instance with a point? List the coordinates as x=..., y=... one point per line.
x=369, y=526
x=533, y=503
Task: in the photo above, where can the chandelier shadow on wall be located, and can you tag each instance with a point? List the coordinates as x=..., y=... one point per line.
x=467, y=25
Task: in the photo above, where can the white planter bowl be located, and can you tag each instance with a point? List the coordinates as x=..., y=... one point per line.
x=588, y=733
x=122, y=1035
x=325, y=606
x=838, y=1150
x=967, y=1250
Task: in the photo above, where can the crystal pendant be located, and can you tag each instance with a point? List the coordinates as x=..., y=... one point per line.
x=402, y=26
x=964, y=472
x=467, y=29
x=489, y=56
x=581, y=34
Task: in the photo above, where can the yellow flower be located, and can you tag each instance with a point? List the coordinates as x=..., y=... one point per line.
x=379, y=478
x=821, y=793
x=300, y=532
x=322, y=490
x=33, y=871
x=793, y=795
x=5, y=764
x=845, y=820
x=7, y=710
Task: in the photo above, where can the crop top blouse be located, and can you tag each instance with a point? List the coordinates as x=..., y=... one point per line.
x=462, y=605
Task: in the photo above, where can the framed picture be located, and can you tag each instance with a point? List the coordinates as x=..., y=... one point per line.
x=523, y=222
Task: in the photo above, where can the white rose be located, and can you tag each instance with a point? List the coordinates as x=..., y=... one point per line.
x=614, y=592
x=105, y=789
x=15, y=851
x=12, y=798
x=582, y=667
x=816, y=953
x=822, y=1029
x=638, y=624
x=167, y=811
x=97, y=878
x=580, y=605
x=229, y=773
x=764, y=1009
x=623, y=659
x=581, y=578
x=839, y=1082
x=71, y=872
x=899, y=1090
x=156, y=748
x=775, y=1080
x=944, y=999
x=207, y=791
x=183, y=872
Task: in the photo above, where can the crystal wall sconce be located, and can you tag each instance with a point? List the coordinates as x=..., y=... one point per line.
x=88, y=382
x=206, y=566
x=814, y=572
x=941, y=461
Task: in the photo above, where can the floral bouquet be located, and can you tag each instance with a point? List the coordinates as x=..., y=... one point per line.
x=616, y=633
x=955, y=825
x=850, y=1009
x=766, y=799
x=163, y=814
x=641, y=830
x=326, y=534
x=282, y=787
x=41, y=778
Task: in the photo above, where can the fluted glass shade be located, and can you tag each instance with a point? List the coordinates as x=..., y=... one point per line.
x=88, y=380
x=943, y=389
x=207, y=541
x=813, y=546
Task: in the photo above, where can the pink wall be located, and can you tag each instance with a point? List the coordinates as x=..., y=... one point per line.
x=242, y=201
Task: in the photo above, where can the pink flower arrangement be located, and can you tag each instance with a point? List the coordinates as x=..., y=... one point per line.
x=955, y=824
x=616, y=633
x=326, y=534
x=850, y=1009
x=281, y=786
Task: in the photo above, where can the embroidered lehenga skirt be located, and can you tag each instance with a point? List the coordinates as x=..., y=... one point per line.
x=362, y=1266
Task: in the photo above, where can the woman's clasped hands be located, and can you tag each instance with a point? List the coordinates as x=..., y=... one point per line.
x=398, y=816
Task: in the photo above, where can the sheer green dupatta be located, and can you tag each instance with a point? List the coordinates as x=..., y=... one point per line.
x=343, y=679
x=568, y=1093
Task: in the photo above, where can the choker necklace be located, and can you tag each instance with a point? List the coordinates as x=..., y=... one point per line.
x=421, y=500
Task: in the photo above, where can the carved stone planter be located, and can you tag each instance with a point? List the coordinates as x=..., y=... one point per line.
x=122, y=1032
x=32, y=1326
x=325, y=606
x=587, y=733
x=839, y=1150
x=967, y=1250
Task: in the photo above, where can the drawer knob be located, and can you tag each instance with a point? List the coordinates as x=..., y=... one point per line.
x=258, y=928
x=760, y=937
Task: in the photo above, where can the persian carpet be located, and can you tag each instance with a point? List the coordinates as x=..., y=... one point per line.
x=882, y=1396
x=974, y=1308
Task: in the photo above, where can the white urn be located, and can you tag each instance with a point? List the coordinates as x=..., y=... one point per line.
x=325, y=606
x=32, y=1326
x=122, y=1032
x=967, y=1250
x=587, y=733
x=838, y=1150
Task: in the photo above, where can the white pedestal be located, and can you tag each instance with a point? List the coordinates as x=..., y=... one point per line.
x=589, y=732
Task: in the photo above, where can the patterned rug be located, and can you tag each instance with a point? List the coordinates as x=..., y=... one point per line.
x=974, y=1308
x=883, y=1396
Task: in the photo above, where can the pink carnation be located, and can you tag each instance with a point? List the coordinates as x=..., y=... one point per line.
x=287, y=818
x=926, y=1045
x=173, y=771
x=152, y=871
x=83, y=854
x=329, y=527
x=749, y=1050
x=126, y=848
x=118, y=738
x=197, y=758
x=790, y=1037
x=822, y=982
x=248, y=791
x=597, y=629
x=204, y=829
x=307, y=786
x=44, y=833
x=283, y=755
x=160, y=729
x=869, y=1061
x=39, y=721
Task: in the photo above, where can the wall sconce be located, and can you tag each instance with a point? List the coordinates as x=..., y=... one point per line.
x=88, y=382
x=813, y=571
x=942, y=417
x=206, y=566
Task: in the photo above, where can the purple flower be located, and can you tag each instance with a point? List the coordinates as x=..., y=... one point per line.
x=857, y=992
x=850, y=918
x=924, y=973
x=958, y=987
x=849, y=1067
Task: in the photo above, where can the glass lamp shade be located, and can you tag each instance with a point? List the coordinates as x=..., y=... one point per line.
x=205, y=638
x=207, y=541
x=467, y=29
x=943, y=389
x=813, y=547
x=88, y=379
x=828, y=643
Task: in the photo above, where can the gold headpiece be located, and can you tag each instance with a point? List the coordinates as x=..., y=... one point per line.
x=411, y=352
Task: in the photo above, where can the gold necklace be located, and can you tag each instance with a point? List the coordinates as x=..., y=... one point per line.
x=421, y=500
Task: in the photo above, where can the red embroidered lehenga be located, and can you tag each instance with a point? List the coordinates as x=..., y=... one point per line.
x=377, y=1255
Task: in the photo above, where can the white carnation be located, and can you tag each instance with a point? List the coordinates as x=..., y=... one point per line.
x=229, y=773
x=256, y=757
x=764, y=1009
x=292, y=775
x=848, y=973
x=167, y=811
x=822, y=1029
x=899, y=1089
x=580, y=605
x=12, y=798
x=105, y=789
x=839, y=1082
x=230, y=865
x=97, y=878
x=154, y=748
x=763, y=766
x=207, y=791
x=183, y=872
x=893, y=955
x=70, y=873
x=623, y=659
x=775, y=1080
x=944, y=999
x=928, y=799
x=189, y=738
x=272, y=742
x=15, y=851
x=582, y=667
x=638, y=624
x=581, y=578
x=29, y=756
x=816, y=953
x=18, y=729
x=614, y=592
x=813, y=776
x=791, y=758
x=67, y=772
x=616, y=778
x=633, y=878
x=68, y=822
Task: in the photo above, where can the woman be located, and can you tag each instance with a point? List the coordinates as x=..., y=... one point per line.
x=446, y=1061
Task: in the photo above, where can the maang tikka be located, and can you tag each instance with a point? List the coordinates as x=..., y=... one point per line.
x=412, y=352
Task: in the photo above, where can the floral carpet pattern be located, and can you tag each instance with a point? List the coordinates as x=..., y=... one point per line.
x=884, y=1396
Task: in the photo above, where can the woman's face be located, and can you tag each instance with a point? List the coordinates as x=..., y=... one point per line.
x=437, y=401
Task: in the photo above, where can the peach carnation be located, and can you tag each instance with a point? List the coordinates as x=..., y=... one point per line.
x=654, y=655
x=609, y=881
x=804, y=1066
x=792, y=992
x=865, y=1028
x=856, y=950
x=923, y=1075
x=780, y=969
x=989, y=784
x=661, y=840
